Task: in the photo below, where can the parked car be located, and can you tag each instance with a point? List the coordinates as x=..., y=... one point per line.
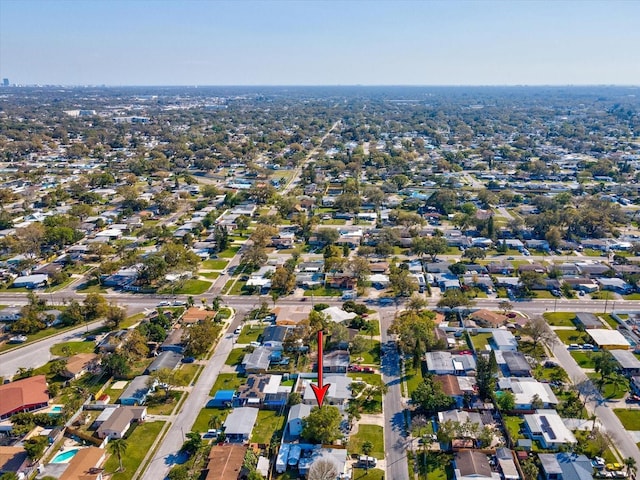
x=238, y=331
x=18, y=339
x=614, y=467
x=188, y=360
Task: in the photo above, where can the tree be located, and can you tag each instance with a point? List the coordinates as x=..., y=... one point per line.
x=432, y=246
x=116, y=365
x=530, y=279
x=95, y=306
x=193, y=444
x=401, y=282
x=430, y=397
x=35, y=447
x=454, y=298
x=115, y=315
x=322, y=425
x=506, y=306
x=474, y=253
x=630, y=465
x=538, y=330
x=254, y=256
x=605, y=364
x=322, y=469
x=506, y=401
x=200, y=337
x=242, y=223
x=118, y=447
x=416, y=332
x=486, y=371
x=327, y=236
x=529, y=469
x=367, y=448
x=283, y=282
x=166, y=379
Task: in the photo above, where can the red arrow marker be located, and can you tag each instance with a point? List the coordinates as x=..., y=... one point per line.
x=320, y=390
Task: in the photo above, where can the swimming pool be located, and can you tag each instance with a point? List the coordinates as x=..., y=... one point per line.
x=64, y=457
x=56, y=409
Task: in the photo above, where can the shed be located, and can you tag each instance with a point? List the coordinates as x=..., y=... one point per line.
x=587, y=320
x=222, y=399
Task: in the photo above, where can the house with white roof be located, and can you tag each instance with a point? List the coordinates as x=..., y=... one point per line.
x=547, y=427
x=527, y=390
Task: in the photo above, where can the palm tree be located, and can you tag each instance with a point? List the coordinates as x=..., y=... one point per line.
x=367, y=447
x=118, y=447
x=630, y=464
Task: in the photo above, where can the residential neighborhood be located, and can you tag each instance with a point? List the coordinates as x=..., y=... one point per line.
x=168, y=260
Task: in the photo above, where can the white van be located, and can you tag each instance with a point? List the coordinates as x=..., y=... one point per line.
x=366, y=461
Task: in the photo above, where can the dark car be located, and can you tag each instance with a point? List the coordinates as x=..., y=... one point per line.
x=188, y=360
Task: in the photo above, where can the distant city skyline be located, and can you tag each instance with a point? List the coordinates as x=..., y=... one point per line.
x=136, y=42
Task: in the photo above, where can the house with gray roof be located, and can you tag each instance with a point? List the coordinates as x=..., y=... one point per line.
x=565, y=466
x=239, y=424
x=629, y=363
x=167, y=359
x=257, y=361
x=137, y=391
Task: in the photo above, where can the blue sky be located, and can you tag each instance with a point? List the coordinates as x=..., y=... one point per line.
x=209, y=42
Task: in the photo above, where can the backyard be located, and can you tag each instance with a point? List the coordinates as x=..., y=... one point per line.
x=138, y=445
x=267, y=424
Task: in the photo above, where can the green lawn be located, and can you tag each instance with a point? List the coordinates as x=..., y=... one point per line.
x=159, y=405
x=138, y=444
x=584, y=359
x=91, y=286
x=542, y=294
x=371, y=474
x=591, y=448
x=570, y=336
x=371, y=378
x=323, y=292
x=214, y=264
x=33, y=337
x=193, y=287
x=413, y=376
x=480, y=340
x=229, y=252
x=608, y=389
x=227, y=381
x=267, y=424
x=560, y=319
x=369, y=357
x=202, y=420
x=132, y=320
x=632, y=296
x=73, y=347
x=609, y=320
x=235, y=357
x=630, y=418
x=434, y=465
x=238, y=288
x=371, y=433
x=210, y=275
x=250, y=333
x=188, y=371
x=227, y=286
x=513, y=426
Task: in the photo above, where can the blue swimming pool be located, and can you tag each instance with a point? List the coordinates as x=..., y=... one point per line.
x=64, y=457
x=56, y=409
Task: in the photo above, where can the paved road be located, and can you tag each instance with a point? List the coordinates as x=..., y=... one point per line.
x=395, y=433
x=167, y=454
x=596, y=404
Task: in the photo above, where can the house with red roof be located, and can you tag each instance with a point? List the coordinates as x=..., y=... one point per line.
x=24, y=395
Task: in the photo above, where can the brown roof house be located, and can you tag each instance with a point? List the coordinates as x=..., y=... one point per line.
x=487, y=318
x=13, y=459
x=473, y=465
x=24, y=395
x=85, y=465
x=225, y=462
x=195, y=315
x=79, y=364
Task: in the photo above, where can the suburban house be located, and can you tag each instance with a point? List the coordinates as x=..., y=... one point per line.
x=10, y=314
x=120, y=420
x=504, y=341
x=488, y=318
x=513, y=364
x=239, y=424
x=85, y=465
x=507, y=464
x=547, y=427
x=445, y=363
x=291, y=315
x=31, y=281
x=587, y=320
x=451, y=388
x=173, y=342
x=14, y=460
x=167, y=359
x=24, y=395
x=257, y=361
x=565, y=466
x=336, y=362
x=262, y=391
x=222, y=399
x=528, y=390
x=137, y=391
x=195, y=315
x=297, y=413
x=225, y=462
x=608, y=339
x=338, y=394
x=629, y=363
x=79, y=364
x=473, y=465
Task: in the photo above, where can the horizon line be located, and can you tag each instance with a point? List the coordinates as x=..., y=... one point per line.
x=330, y=85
